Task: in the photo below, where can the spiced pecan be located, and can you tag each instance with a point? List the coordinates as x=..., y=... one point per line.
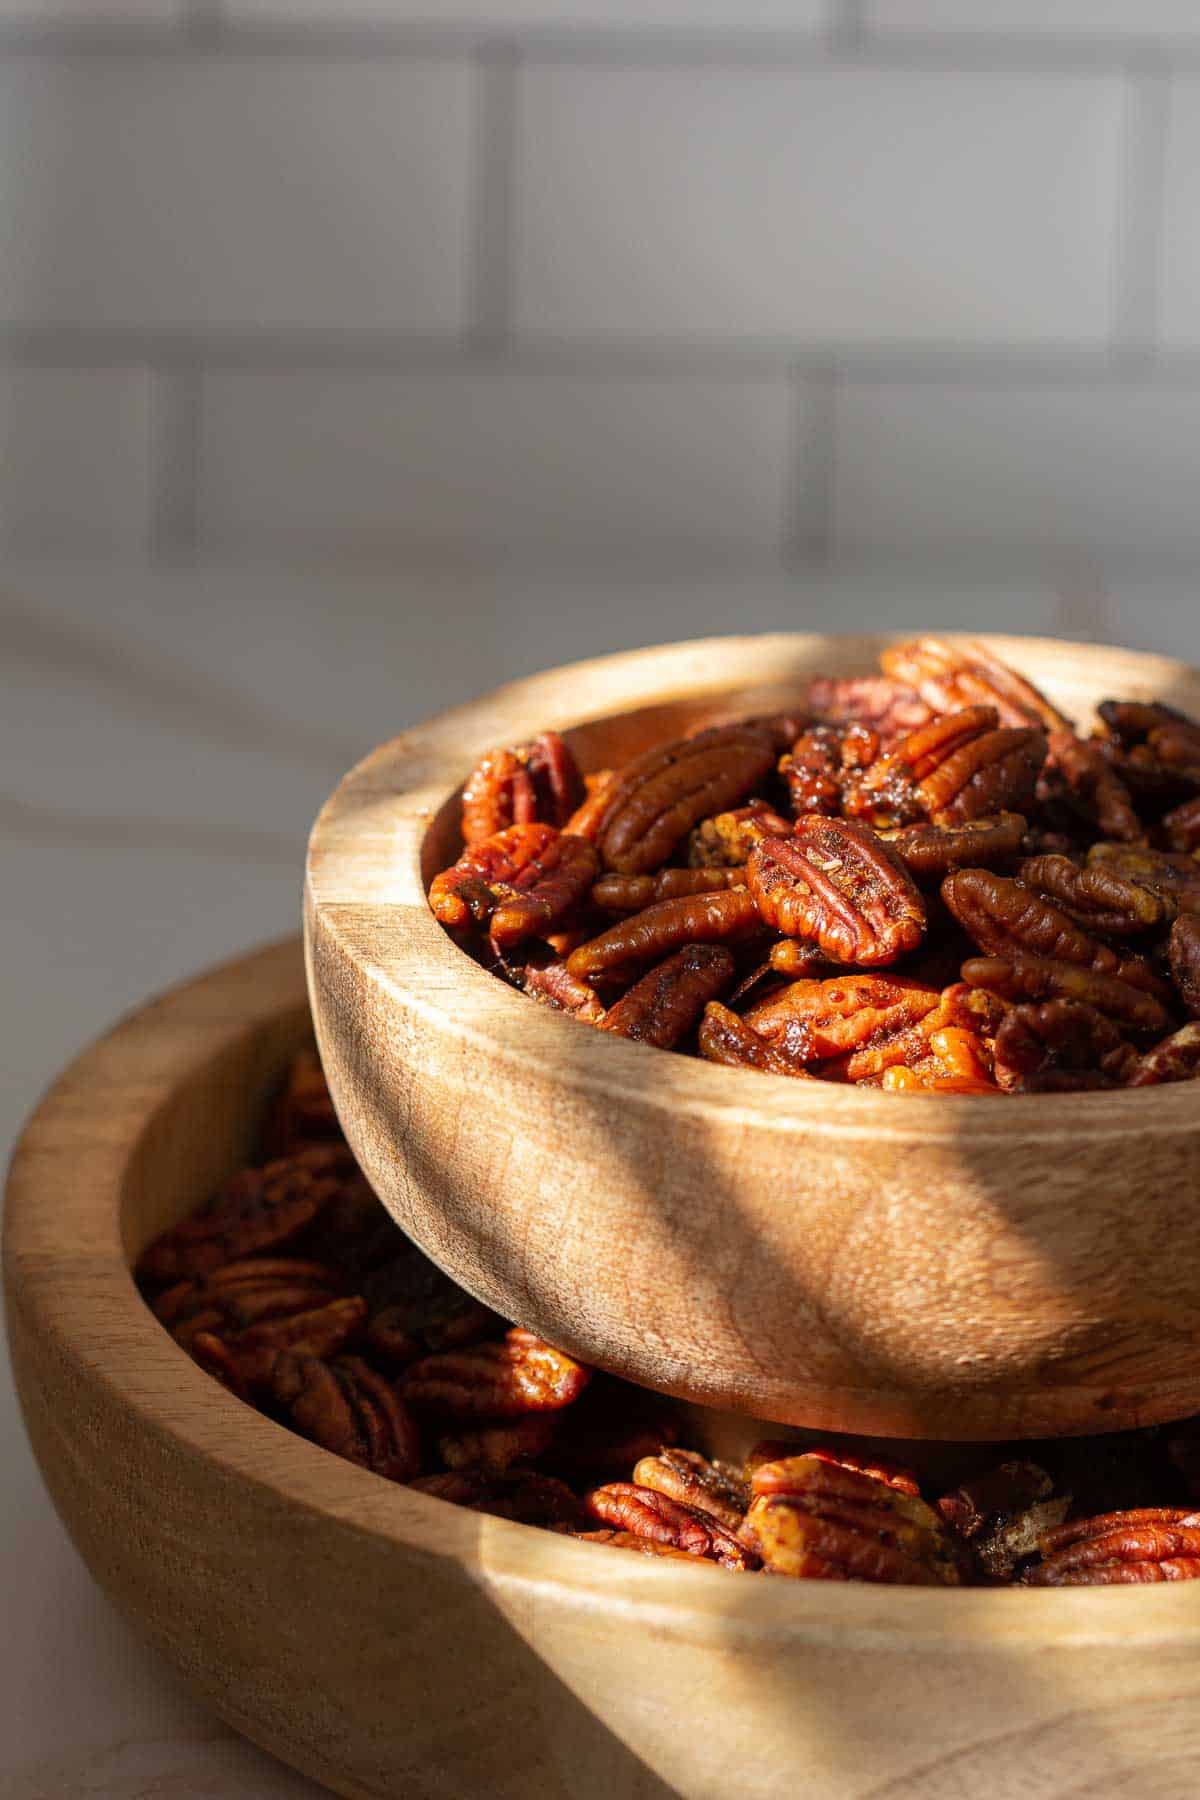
x=346, y=1407
x=1132, y=721
x=661, y=795
x=888, y=707
x=1002, y=915
x=836, y=884
x=520, y=1374
x=598, y=790
x=694, y=1481
x=667, y=1002
x=1058, y=1047
x=525, y=1496
x=417, y=1310
x=545, y=892
x=947, y=1048
x=627, y=894
x=960, y=766
x=951, y=676
x=554, y=985
x=1182, y=827
x=723, y=842
x=493, y=1449
x=1079, y=777
x=484, y=875
x=824, y=763
x=814, y=1518
x=1173, y=877
x=728, y=917
x=725, y=1038
x=1183, y=949
x=814, y=1020
x=645, y=1512
x=930, y=852
x=627, y=1540
x=1146, y=1544
x=303, y=1111
x=536, y=782
x=256, y=1309
x=1095, y=897
x=772, y=1456
x=1019, y=976
x=1003, y=1514
x=257, y=1209
x=1176, y=1058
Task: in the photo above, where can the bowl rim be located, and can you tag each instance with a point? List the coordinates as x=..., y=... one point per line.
x=66, y=1269
x=387, y=932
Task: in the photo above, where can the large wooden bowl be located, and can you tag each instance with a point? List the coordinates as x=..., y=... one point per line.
x=940, y=1266
x=389, y=1644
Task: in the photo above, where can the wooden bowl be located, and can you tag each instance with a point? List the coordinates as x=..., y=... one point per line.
x=387, y=1643
x=925, y=1266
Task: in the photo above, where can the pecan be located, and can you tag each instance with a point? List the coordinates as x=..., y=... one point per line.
x=1132, y=721
x=545, y=891
x=836, y=884
x=950, y=676
x=257, y=1209
x=417, y=1310
x=1003, y=1514
x=888, y=707
x=661, y=795
x=1183, y=948
x=1173, y=877
x=724, y=1038
x=812, y=1020
x=1018, y=976
x=520, y=1374
x=240, y=1318
x=1002, y=915
x=723, y=842
x=695, y=1482
x=1096, y=897
x=823, y=764
x=346, y=1407
x=633, y=893
x=303, y=1112
x=930, y=852
x=538, y=782
x=649, y=935
x=1060, y=1046
x=645, y=1512
x=944, y=1041
x=523, y=1495
x=956, y=1060
x=1182, y=826
x=1159, y=740
x=815, y=1518
x=666, y=1003
x=1155, y=1543
x=1081, y=778
x=554, y=985
x=586, y=819
x=483, y=877
x=493, y=1449
x=1176, y=1058
x=960, y=766
x=627, y=1540
x=773, y=1456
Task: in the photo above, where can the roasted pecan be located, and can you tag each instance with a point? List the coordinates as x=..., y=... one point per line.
x=773, y=1457
x=695, y=1482
x=536, y=782
x=930, y=852
x=1132, y=721
x=725, y=1038
x=554, y=985
x=545, y=892
x=795, y=959
x=493, y=1449
x=956, y=1060
x=645, y=1512
x=813, y=1020
x=888, y=707
x=627, y=1540
x=1003, y=1514
x=256, y=1309
x=661, y=795
x=523, y=1495
x=1096, y=897
x=346, y=1407
x=1182, y=826
x=627, y=894
x=723, y=842
x=257, y=1209
x=1003, y=915
x=1058, y=1047
x=950, y=676
x=1177, y=1058
x=960, y=766
x=1021, y=976
x=823, y=764
x=586, y=819
x=1160, y=741
x=1155, y=1543
x=417, y=1310
x=303, y=1112
x=1173, y=877
x=484, y=875
x=945, y=1042
x=728, y=917
x=520, y=1374
x=1183, y=948
x=815, y=1518
x=668, y=1001
x=1079, y=777
x=838, y=885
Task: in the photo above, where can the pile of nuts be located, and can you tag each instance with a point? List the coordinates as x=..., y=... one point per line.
x=294, y=1288
x=923, y=880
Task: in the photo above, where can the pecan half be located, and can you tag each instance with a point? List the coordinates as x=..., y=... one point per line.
x=814, y=1518
x=836, y=884
x=1182, y=826
x=628, y=1540
x=946, y=1047
x=1156, y=1543
x=586, y=820
x=695, y=1482
x=1059, y=1047
x=257, y=1209
x=1021, y=976
x=346, y=1407
x=725, y=1038
x=483, y=877
x=1177, y=1058
x=950, y=676
x=731, y=916
x=1080, y=778
x=1003, y=1514
x=888, y=707
x=1183, y=949
x=493, y=1449
x=1096, y=897
x=645, y=1512
x=662, y=794
x=518, y=1375
x=726, y=840
x=930, y=852
x=1132, y=721
x=633, y=893
x=1173, y=877
x=958, y=767
x=823, y=765
x=538, y=782
x=1002, y=915
x=237, y=1320
x=545, y=892
x=666, y=1003
x=773, y=1458
x=553, y=984
x=813, y=1020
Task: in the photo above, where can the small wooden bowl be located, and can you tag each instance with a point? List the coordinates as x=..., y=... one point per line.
x=387, y=1643
x=925, y=1266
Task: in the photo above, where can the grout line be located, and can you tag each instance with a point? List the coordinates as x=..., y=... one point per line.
x=174, y=528
x=1142, y=202
x=808, y=537
x=491, y=249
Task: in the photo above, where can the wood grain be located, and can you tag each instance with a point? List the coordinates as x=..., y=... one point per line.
x=388, y=1644
x=926, y=1266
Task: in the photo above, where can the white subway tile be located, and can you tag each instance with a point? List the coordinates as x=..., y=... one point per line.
x=460, y=462
x=700, y=15
x=234, y=192
x=897, y=206
x=1180, y=299
x=75, y=457
x=1105, y=468
x=1038, y=18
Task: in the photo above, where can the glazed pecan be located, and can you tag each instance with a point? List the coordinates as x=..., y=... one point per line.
x=634, y=893
x=959, y=767
x=1096, y=897
x=1173, y=877
x=667, y=1002
x=951, y=676
x=346, y=1407
x=695, y=1482
x=1177, y=1058
x=645, y=1512
x=522, y=1495
x=725, y=1038
x=728, y=917
x=1156, y=1543
x=238, y=1319
x=838, y=885
x=585, y=820
x=303, y=1112
x=257, y=1209
x=888, y=707
x=930, y=852
x=1003, y=1514
x=416, y=1311
x=1058, y=1047
x=554, y=985
x=1003, y=916
x=814, y=1518
x=1019, y=976
x=1080, y=778
x=536, y=782
x=723, y=843
x=484, y=875
x=1159, y=740
x=1183, y=949
x=627, y=1540
x=773, y=1457
x=661, y=795
x=1132, y=721
x=520, y=1374
x=823, y=764
x=813, y=1020
x=1182, y=826
x=545, y=892
x=493, y=1449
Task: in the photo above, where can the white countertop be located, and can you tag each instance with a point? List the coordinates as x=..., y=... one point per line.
x=165, y=738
